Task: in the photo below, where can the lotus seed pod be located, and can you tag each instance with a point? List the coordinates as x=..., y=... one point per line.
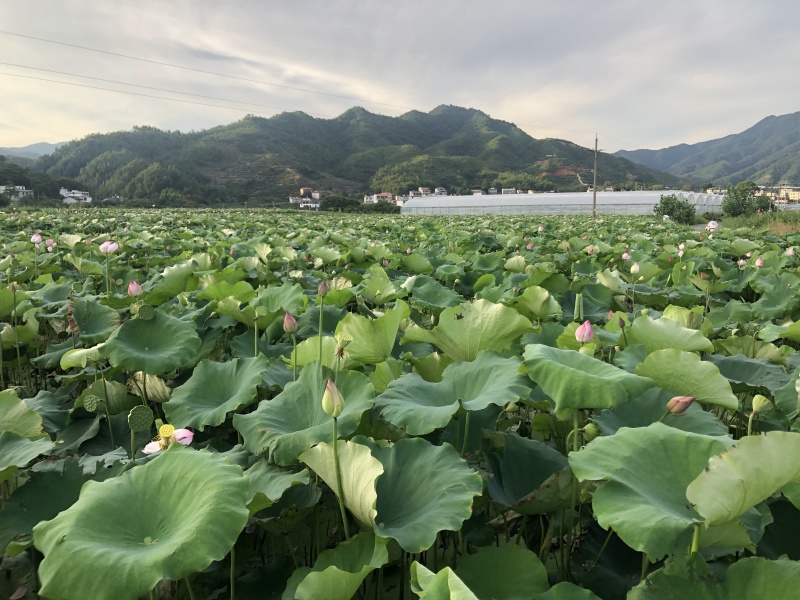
x=140, y=418
x=91, y=403
x=166, y=431
x=761, y=404
x=146, y=312
x=591, y=431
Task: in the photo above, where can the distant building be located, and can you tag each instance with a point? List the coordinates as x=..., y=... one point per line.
x=440, y=191
x=508, y=191
x=309, y=203
x=375, y=198
x=492, y=191
x=75, y=196
x=306, y=192
x=425, y=191
x=16, y=192
x=477, y=192
x=295, y=199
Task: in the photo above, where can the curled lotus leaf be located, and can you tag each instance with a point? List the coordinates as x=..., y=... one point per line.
x=164, y=520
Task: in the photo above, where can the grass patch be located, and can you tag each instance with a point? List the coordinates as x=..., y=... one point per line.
x=777, y=223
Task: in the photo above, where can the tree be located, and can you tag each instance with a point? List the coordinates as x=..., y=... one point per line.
x=678, y=209
x=339, y=203
x=740, y=199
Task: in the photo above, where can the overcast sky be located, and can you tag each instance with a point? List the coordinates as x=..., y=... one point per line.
x=640, y=73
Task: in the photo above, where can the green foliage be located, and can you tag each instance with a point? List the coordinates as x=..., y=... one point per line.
x=678, y=209
x=740, y=200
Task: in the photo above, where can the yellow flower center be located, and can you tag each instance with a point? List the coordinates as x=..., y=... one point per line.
x=166, y=431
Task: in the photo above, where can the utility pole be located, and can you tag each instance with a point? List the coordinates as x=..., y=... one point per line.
x=594, y=182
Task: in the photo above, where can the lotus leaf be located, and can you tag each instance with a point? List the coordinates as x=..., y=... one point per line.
x=574, y=380
x=464, y=331
x=753, y=373
x=294, y=421
x=95, y=321
x=421, y=407
x=215, y=389
x=567, y=591
x=509, y=572
x=444, y=585
x=666, y=333
x=157, y=346
x=684, y=374
x=268, y=483
x=647, y=470
x=164, y=520
x=18, y=418
x=373, y=339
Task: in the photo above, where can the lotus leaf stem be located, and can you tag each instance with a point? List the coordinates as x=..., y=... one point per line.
x=603, y=547
x=339, y=490
x=696, y=539
x=321, y=313
x=574, y=495
x=466, y=431
x=645, y=565
x=233, y=571
x=189, y=588
x=255, y=337
x=750, y=422
x=294, y=358
x=133, y=446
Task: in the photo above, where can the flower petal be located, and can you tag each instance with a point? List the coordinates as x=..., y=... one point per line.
x=184, y=436
x=151, y=448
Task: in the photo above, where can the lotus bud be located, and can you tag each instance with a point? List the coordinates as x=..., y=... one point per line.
x=680, y=253
x=584, y=333
x=634, y=268
x=621, y=323
x=703, y=275
x=742, y=262
x=408, y=250
x=529, y=246
x=761, y=404
x=610, y=315
x=541, y=228
x=36, y=239
x=332, y=402
x=289, y=323
x=678, y=405
x=626, y=256
x=681, y=246
x=322, y=290
x=790, y=251
x=591, y=431
x=759, y=261
x=134, y=289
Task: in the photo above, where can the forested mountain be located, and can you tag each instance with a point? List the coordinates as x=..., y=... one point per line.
x=32, y=151
x=268, y=159
x=767, y=153
x=43, y=185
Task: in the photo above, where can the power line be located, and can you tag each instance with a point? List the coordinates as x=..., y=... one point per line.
x=166, y=64
x=92, y=87
x=147, y=87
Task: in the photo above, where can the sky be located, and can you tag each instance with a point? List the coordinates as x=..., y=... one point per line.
x=638, y=73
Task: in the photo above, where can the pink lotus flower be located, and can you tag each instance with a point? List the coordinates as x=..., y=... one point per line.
x=50, y=242
x=529, y=246
x=681, y=246
x=679, y=404
x=759, y=262
x=36, y=239
x=790, y=251
x=109, y=247
x=180, y=436
x=289, y=323
x=408, y=250
x=742, y=262
x=134, y=289
x=541, y=228
x=680, y=253
x=626, y=256
x=584, y=333
x=590, y=250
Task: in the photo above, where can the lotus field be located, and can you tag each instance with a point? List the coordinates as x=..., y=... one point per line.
x=255, y=405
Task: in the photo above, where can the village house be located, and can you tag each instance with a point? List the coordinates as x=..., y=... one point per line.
x=16, y=192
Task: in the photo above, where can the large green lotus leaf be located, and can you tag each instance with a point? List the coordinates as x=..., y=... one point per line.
x=23, y=333
x=268, y=483
x=750, y=347
x=373, y=339
x=307, y=352
x=465, y=330
x=114, y=394
x=215, y=389
x=278, y=300
x=684, y=374
x=18, y=451
x=729, y=315
x=50, y=407
x=509, y=572
x=424, y=489
x=650, y=408
x=95, y=321
x=377, y=287
x=519, y=467
x=747, y=579
x=156, y=346
x=172, y=281
x=666, y=333
x=241, y=291
x=567, y=591
x=690, y=318
x=787, y=398
x=338, y=572
x=647, y=470
x=745, y=475
x=774, y=303
x=420, y=406
x=574, y=380
x=433, y=297
x=537, y=303
x=17, y=417
x=41, y=498
x=359, y=470
x=294, y=421
x=753, y=373
x=167, y=519
x=416, y=263
x=444, y=585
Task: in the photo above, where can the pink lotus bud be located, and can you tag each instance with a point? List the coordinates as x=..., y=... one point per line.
x=590, y=250
x=372, y=244
x=790, y=251
x=670, y=259
x=703, y=275
x=36, y=238
x=408, y=250
x=680, y=253
x=584, y=333
x=678, y=405
x=626, y=256
x=759, y=261
x=332, y=402
x=232, y=251
x=289, y=323
x=109, y=247
x=742, y=262
x=586, y=237
x=621, y=323
x=610, y=315
x=322, y=289
x=134, y=289
x=126, y=228
x=385, y=262
x=529, y=246
x=681, y=246
x=541, y=228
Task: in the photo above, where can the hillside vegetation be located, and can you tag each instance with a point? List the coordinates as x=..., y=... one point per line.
x=266, y=160
x=767, y=153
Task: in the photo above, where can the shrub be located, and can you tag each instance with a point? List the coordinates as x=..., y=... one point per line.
x=678, y=209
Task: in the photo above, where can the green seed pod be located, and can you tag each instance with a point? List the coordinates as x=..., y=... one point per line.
x=140, y=418
x=146, y=312
x=91, y=403
x=761, y=404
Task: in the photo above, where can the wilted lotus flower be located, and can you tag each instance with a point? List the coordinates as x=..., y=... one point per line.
x=50, y=242
x=109, y=247
x=761, y=404
x=626, y=256
x=759, y=261
x=36, y=239
x=332, y=402
x=167, y=435
x=678, y=405
x=634, y=268
x=289, y=323
x=134, y=289
x=584, y=333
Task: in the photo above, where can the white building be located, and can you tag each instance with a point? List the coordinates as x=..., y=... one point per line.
x=381, y=197
x=440, y=191
x=75, y=196
x=16, y=192
x=309, y=203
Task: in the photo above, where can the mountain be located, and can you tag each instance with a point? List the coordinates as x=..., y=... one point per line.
x=32, y=151
x=766, y=153
x=264, y=159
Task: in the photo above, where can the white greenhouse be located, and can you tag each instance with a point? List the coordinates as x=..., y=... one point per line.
x=571, y=203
